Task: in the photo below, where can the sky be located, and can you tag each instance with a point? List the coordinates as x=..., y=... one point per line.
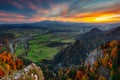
x=88, y=11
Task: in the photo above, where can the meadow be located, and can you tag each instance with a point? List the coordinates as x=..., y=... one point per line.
x=43, y=47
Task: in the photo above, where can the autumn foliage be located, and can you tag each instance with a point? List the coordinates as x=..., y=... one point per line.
x=113, y=43
x=2, y=73
x=9, y=63
x=105, y=60
x=96, y=64
x=109, y=61
x=114, y=52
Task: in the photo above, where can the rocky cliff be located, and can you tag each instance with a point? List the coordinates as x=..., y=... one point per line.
x=105, y=60
x=31, y=72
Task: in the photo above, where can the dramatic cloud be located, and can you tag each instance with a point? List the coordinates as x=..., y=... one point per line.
x=19, y=11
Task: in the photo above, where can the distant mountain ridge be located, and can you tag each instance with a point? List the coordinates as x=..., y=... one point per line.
x=48, y=23
x=94, y=30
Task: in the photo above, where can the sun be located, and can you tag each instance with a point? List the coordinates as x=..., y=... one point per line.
x=107, y=18
x=102, y=19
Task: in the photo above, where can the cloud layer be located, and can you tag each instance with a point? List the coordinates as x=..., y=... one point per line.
x=19, y=11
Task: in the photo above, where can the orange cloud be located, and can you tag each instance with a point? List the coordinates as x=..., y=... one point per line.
x=10, y=15
x=60, y=13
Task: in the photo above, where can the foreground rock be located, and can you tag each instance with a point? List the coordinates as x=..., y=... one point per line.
x=31, y=72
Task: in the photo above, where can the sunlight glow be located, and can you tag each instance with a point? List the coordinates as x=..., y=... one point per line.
x=101, y=18
x=107, y=18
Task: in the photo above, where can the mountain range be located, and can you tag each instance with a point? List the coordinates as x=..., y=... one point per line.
x=48, y=23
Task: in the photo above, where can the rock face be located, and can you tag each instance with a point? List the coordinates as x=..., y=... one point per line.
x=73, y=54
x=31, y=72
x=93, y=56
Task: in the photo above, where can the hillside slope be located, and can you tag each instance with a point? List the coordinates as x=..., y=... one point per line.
x=102, y=63
x=105, y=60
x=78, y=51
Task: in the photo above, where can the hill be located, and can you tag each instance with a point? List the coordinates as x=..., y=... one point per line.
x=78, y=51
x=91, y=34
x=73, y=54
x=115, y=31
x=94, y=31
x=101, y=63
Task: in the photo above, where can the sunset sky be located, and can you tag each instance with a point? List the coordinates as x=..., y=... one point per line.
x=88, y=11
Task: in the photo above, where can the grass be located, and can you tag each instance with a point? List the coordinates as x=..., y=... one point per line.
x=39, y=52
x=54, y=39
x=19, y=50
x=38, y=49
x=40, y=39
x=68, y=40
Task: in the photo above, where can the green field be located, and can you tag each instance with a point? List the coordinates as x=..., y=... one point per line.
x=39, y=52
x=38, y=48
